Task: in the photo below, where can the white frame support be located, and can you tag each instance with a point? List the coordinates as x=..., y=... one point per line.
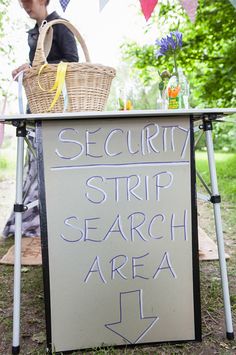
x=18, y=209
x=216, y=199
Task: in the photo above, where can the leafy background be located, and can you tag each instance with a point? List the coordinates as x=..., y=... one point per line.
x=208, y=55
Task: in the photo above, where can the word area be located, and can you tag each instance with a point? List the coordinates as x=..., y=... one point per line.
x=135, y=269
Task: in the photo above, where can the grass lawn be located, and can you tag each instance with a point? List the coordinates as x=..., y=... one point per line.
x=226, y=173
x=226, y=178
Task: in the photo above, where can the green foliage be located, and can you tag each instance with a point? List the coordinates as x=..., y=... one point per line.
x=224, y=136
x=3, y=163
x=226, y=173
x=5, y=47
x=3, y=17
x=141, y=58
x=208, y=54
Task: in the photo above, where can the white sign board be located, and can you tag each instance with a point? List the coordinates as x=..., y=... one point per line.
x=119, y=231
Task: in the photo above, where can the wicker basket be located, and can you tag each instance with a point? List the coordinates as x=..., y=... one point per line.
x=87, y=84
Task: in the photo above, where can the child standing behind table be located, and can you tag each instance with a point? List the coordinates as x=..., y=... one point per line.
x=63, y=48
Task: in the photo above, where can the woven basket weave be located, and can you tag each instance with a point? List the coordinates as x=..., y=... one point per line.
x=88, y=85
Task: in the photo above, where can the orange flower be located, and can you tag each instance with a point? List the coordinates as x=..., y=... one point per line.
x=173, y=92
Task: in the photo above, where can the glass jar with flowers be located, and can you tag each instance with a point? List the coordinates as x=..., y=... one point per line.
x=173, y=87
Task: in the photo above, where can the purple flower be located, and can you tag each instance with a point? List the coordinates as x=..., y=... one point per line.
x=178, y=35
x=169, y=44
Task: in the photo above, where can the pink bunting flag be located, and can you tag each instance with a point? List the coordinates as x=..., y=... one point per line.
x=147, y=7
x=1, y=133
x=190, y=6
x=64, y=4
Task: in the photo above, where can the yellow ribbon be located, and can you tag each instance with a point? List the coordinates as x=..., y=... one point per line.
x=59, y=82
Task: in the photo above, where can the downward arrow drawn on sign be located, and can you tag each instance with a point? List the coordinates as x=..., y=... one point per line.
x=132, y=325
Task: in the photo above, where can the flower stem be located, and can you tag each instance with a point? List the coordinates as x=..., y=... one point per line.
x=175, y=65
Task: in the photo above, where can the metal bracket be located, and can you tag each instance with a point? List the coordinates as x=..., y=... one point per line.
x=32, y=204
x=20, y=128
x=215, y=199
x=207, y=121
x=20, y=207
x=206, y=125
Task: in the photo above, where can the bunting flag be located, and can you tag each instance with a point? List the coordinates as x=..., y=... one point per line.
x=147, y=7
x=190, y=7
x=102, y=4
x=64, y=4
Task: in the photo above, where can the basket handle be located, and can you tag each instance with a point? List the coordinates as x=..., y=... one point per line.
x=40, y=57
